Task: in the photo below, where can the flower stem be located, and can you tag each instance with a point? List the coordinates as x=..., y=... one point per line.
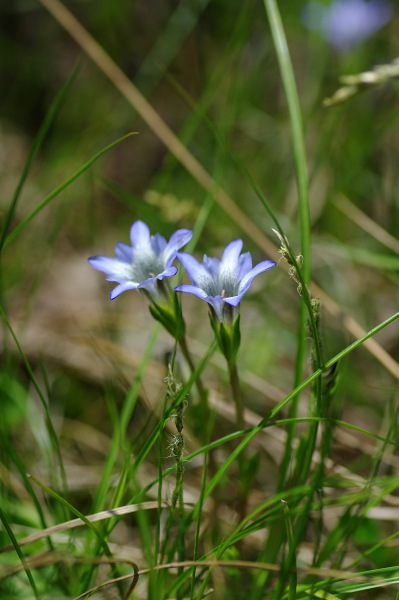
x=177, y=451
x=236, y=390
x=202, y=391
x=237, y=397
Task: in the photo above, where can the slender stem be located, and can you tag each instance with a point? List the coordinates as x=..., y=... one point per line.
x=202, y=391
x=237, y=397
x=177, y=451
x=236, y=390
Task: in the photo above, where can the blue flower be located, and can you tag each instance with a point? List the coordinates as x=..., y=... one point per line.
x=346, y=23
x=222, y=283
x=145, y=264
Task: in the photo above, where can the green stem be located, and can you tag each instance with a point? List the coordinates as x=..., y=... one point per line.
x=236, y=390
x=298, y=142
x=177, y=497
x=202, y=391
x=237, y=397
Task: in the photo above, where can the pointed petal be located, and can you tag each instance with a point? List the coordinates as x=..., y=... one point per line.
x=196, y=272
x=178, y=239
x=230, y=256
x=212, y=265
x=244, y=265
x=124, y=252
x=123, y=287
x=158, y=243
x=192, y=289
x=111, y=266
x=234, y=300
x=249, y=277
x=169, y=272
x=215, y=302
x=139, y=235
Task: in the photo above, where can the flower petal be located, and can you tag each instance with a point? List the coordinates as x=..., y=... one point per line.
x=234, y=300
x=178, y=239
x=192, y=289
x=215, y=302
x=212, y=265
x=230, y=256
x=124, y=252
x=140, y=235
x=123, y=287
x=244, y=264
x=169, y=272
x=197, y=273
x=158, y=243
x=249, y=277
x=111, y=266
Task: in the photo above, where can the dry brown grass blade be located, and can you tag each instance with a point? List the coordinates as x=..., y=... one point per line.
x=45, y=559
x=153, y=120
x=358, y=217
x=238, y=564
x=105, y=514
x=171, y=141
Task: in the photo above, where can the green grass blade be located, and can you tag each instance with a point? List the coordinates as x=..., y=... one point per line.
x=38, y=141
x=287, y=75
x=22, y=472
x=288, y=79
x=161, y=56
x=49, y=423
x=21, y=226
x=20, y=553
x=73, y=510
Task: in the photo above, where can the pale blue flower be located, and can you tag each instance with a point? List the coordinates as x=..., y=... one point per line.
x=346, y=23
x=143, y=265
x=222, y=283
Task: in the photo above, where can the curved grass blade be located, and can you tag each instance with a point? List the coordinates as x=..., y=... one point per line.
x=28, y=486
x=21, y=226
x=20, y=554
x=74, y=511
x=41, y=135
x=49, y=423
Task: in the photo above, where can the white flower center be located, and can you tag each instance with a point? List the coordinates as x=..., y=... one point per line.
x=146, y=265
x=225, y=284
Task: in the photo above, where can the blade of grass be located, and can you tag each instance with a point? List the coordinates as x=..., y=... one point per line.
x=21, y=226
x=291, y=94
x=49, y=423
x=18, y=550
x=28, y=486
x=182, y=21
x=73, y=510
x=363, y=221
x=37, y=143
x=105, y=514
x=292, y=577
